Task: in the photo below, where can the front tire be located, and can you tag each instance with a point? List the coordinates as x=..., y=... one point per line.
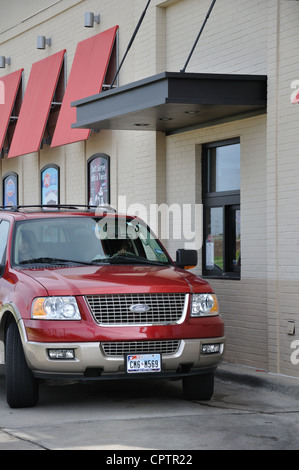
x=198, y=387
x=21, y=385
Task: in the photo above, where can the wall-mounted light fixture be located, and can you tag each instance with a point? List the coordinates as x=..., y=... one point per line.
x=90, y=19
x=4, y=61
x=42, y=42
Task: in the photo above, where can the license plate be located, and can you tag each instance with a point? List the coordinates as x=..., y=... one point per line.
x=137, y=363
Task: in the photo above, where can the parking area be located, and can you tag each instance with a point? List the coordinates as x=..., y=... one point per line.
x=151, y=416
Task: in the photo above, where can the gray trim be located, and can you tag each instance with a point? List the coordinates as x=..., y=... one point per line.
x=188, y=100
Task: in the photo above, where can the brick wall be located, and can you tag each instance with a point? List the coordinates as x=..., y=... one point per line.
x=256, y=37
x=282, y=184
x=243, y=303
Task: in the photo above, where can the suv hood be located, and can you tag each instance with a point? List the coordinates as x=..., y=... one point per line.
x=120, y=279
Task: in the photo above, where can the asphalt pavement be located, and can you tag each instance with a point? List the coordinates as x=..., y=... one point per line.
x=250, y=410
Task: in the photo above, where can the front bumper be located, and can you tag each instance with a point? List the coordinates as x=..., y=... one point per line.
x=91, y=362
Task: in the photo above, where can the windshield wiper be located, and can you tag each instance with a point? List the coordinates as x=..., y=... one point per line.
x=48, y=260
x=132, y=260
x=123, y=259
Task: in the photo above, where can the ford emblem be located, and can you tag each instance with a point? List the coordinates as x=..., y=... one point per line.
x=139, y=308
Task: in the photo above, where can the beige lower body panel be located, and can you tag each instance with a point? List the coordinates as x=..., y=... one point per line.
x=91, y=356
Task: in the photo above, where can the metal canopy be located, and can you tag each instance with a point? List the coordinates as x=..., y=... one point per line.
x=172, y=102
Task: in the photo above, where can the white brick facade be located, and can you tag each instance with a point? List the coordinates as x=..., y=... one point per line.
x=241, y=37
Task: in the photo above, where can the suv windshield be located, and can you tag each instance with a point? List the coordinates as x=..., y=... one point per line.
x=85, y=240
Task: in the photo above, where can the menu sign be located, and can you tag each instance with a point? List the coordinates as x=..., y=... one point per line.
x=50, y=185
x=10, y=190
x=99, y=181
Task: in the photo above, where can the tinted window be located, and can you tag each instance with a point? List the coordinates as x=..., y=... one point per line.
x=221, y=199
x=224, y=168
x=86, y=240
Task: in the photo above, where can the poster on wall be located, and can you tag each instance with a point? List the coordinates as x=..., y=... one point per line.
x=10, y=190
x=50, y=185
x=210, y=257
x=98, y=180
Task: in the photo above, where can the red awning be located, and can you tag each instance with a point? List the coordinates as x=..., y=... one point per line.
x=9, y=89
x=36, y=105
x=86, y=78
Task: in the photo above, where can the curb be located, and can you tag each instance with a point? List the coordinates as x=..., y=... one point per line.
x=258, y=378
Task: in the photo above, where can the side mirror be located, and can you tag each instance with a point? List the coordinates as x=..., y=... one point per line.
x=186, y=259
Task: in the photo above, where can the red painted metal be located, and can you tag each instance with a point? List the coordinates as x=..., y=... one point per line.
x=36, y=105
x=21, y=286
x=86, y=78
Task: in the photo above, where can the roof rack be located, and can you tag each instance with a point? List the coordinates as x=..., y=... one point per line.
x=54, y=207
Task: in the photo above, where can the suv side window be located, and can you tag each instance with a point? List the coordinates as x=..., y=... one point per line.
x=4, y=227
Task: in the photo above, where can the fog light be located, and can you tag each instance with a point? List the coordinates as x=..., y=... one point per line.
x=212, y=348
x=61, y=354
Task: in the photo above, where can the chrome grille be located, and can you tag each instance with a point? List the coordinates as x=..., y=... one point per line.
x=115, y=309
x=113, y=349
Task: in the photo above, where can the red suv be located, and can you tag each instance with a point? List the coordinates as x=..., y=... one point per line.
x=87, y=294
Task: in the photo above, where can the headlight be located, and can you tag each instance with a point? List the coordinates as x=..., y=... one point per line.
x=55, y=308
x=204, y=305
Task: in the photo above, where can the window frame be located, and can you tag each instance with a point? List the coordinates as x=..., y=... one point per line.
x=228, y=201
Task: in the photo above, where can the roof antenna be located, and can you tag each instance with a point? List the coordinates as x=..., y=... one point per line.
x=199, y=34
x=130, y=43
